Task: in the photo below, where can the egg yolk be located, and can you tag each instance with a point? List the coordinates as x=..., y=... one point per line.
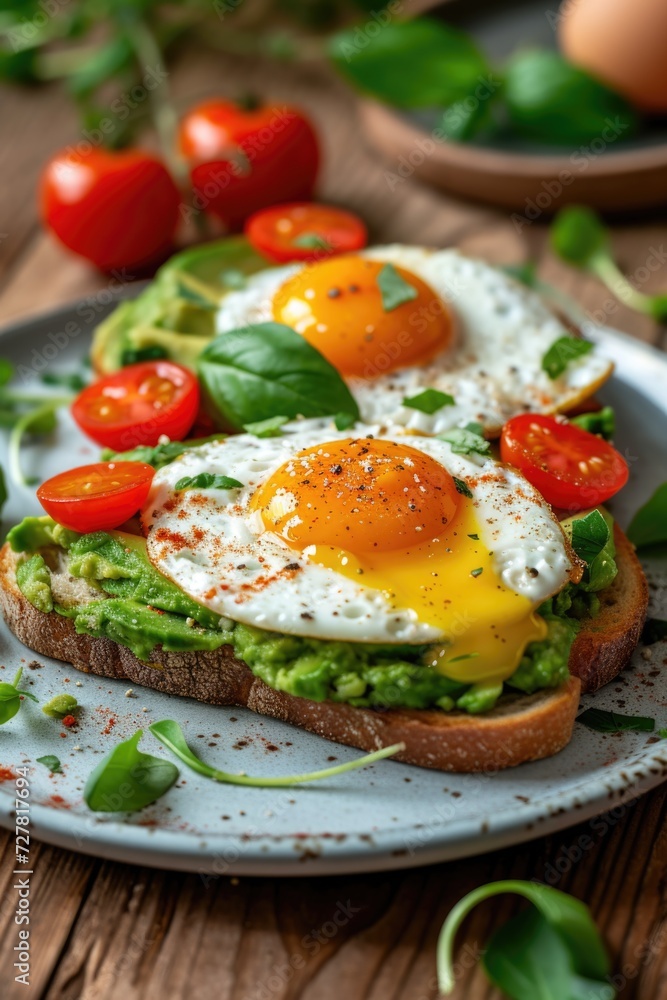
x=338, y=306
x=389, y=517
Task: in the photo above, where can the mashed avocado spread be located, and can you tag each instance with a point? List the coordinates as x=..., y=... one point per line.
x=119, y=595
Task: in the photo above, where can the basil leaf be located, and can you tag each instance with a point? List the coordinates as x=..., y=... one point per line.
x=527, y=959
x=649, y=525
x=52, y=763
x=429, y=401
x=603, y=422
x=159, y=455
x=611, y=722
x=438, y=64
x=590, y=535
x=466, y=442
x=562, y=352
x=208, y=481
x=266, y=428
x=655, y=629
x=10, y=697
x=577, y=235
x=127, y=779
x=394, y=289
x=170, y=734
x=462, y=487
x=344, y=420
x=268, y=370
x=553, y=102
x=568, y=917
x=312, y=241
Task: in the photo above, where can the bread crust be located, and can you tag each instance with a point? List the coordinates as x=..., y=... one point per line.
x=520, y=728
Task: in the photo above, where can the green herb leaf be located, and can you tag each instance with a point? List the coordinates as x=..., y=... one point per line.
x=208, y=481
x=52, y=763
x=462, y=487
x=562, y=352
x=127, y=779
x=133, y=355
x=611, y=722
x=171, y=735
x=394, y=289
x=655, y=629
x=268, y=370
x=555, y=103
x=266, y=428
x=344, y=420
x=649, y=525
x=439, y=65
x=526, y=273
x=159, y=455
x=602, y=422
x=429, y=401
x=476, y=572
x=10, y=697
x=312, y=241
x=590, y=534
x=68, y=380
x=569, y=918
x=466, y=442
x=474, y=537
x=662, y=733
x=527, y=959
x=578, y=236
x=60, y=705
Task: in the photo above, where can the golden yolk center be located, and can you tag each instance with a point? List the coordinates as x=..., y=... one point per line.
x=360, y=494
x=338, y=306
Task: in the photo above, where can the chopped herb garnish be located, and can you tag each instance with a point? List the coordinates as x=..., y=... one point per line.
x=52, y=763
x=312, y=241
x=208, y=481
x=475, y=538
x=562, y=352
x=463, y=656
x=394, y=289
x=610, y=722
x=655, y=629
x=462, y=487
x=466, y=442
x=477, y=572
x=266, y=428
x=429, y=401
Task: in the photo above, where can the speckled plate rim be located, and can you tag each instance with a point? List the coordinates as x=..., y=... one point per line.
x=404, y=846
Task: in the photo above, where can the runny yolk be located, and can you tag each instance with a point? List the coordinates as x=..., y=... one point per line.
x=337, y=305
x=389, y=517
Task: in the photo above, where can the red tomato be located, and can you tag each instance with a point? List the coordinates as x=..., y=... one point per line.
x=139, y=404
x=305, y=231
x=571, y=468
x=96, y=497
x=244, y=160
x=119, y=210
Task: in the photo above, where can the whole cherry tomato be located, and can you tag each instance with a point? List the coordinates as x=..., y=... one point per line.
x=96, y=497
x=571, y=468
x=138, y=404
x=243, y=160
x=117, y=209
x=305, y=231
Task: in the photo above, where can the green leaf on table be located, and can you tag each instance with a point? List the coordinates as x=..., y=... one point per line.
x=418, y=63
x=208, y=481
x=268, y=370
x=527, y=959
x=562, y=352
x=11, y=696
x=649, y=525
x=611, y=722
x=429, y=401
x=128, y=779
x=170, y=734
x=51, y=762
x=394, y=289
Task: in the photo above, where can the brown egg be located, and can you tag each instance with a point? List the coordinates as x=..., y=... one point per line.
x=623, y=43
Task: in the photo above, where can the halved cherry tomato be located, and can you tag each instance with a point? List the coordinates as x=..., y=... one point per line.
x=119, y=210
x=571, y=468
x=244, y=159
x=305, y=231
x=96, y=497
x=139, y=404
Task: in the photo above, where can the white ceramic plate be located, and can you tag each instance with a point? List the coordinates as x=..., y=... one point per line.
x=388, y=816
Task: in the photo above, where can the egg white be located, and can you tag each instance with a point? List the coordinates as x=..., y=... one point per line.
x=202, y=539
x=493, y=371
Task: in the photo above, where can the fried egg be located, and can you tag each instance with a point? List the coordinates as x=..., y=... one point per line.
x=375, y=537
x=468, y=330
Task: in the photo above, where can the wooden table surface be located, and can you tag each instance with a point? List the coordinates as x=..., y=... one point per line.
x=103, y=930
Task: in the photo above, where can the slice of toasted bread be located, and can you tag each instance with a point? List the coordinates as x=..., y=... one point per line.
x=520, y=728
